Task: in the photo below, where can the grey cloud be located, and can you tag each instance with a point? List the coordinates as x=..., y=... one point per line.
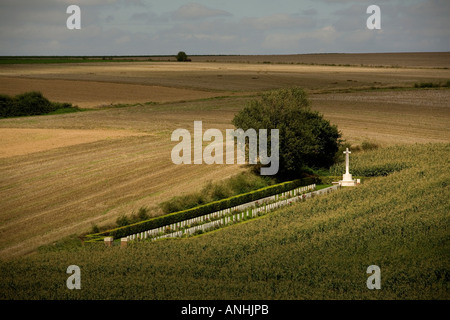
x=193, y=11
x=310, y=12
x=280, y=21
x=197, y=29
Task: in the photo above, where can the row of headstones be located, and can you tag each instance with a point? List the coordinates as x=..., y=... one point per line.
x=287, y=194
x=240, y=216
x=215, y=215
x=253, y=212
x=180, y=225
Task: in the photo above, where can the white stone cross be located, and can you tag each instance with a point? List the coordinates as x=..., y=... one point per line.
x=347, y=161
x=347, y=177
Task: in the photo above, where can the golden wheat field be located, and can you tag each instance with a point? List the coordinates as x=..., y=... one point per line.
x=62, y=174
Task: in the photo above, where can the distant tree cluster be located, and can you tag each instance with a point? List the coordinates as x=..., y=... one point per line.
x=182, y=57
x=30, y=104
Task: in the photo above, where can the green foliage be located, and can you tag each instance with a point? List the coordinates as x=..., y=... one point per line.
x=30, y=104
x=142, y=214
x=182, y=57
x=180, y=203
x=367, y=145
x=67, y=244
x=122, y=221
x=380, y=166
x=95, y=229
x=238, y=184
x=126, y=228
x=317, y=249
x=6, y=105
x=306, y=138
x=431, y=84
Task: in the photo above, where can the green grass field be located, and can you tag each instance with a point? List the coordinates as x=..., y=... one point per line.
x=318, y=249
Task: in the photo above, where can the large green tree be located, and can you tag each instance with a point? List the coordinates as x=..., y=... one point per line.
x=306, y=139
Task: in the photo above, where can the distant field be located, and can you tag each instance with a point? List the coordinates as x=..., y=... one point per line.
x=24, y=141
x=58, y=60
x=95, y=94
x=389, y=117
x=413, y=59
x=407, y=59
x=96, y=84
x=62, y=174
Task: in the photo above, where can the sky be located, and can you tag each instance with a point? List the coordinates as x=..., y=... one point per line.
x=200, y=27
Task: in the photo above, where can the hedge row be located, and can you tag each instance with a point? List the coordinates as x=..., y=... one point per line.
x=201, y=210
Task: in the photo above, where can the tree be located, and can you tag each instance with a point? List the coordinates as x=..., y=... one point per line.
x=306, y=139
x=182, y=56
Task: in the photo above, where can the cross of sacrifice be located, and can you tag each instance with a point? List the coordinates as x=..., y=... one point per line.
x=347, y=161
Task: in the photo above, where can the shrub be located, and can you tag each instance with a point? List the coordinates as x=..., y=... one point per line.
x=339, y=156
x=366, y=145
x=30, y=104
x=182, y=57
x=95, y=228
x=122, y=221
x=142, y=214
x=235, y=185
x=182, y=202
x=220, y=191
x=6, y=104
x=431, y=84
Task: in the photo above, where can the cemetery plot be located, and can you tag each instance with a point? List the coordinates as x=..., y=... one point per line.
x=230, y=216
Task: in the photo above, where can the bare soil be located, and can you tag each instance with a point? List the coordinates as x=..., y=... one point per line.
x=94, y=94
x=22, y=141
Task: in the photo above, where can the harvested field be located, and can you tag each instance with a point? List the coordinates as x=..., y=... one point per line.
x=92, y=94
x=94, y=175
x=220, y=78
x=22, y=141
x=389, y=117
x=396, y=60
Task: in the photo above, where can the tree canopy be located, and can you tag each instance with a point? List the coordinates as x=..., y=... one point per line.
x=182, y=56
x=306, y=139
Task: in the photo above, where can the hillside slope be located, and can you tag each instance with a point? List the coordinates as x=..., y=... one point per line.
x=318, y=249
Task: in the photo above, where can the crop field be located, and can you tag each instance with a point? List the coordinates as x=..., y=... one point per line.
x=318, y=249
x=61, y=175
